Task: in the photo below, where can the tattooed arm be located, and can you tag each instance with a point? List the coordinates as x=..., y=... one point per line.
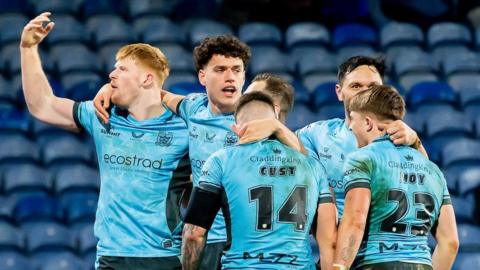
x=194, y=238
x=352, y=226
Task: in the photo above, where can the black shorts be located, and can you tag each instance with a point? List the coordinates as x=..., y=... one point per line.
x=138, y=263
x=395, y=266
x=212, y=255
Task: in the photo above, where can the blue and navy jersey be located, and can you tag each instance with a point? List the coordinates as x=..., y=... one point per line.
x=330, y=141
x=207, y=133
x=142, y=169
x=407, y=193
x=271, y=193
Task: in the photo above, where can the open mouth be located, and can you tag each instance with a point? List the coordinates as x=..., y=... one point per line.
x=229, y=90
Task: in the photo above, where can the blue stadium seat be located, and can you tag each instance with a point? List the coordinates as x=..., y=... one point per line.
x=11, y=60
x=179, y=78
x=301, y=93
x=477, y=35
x=313, y=61
x=409, y=80
x=446, y=33
x=309, y=34
x=26, y=177
x=477, y=126
x=11, y=238
x=7, y=95
x=65, y=149
x=270, y=59
x=56, y=6
x=70, y=58
x=11, y=25
x=140, y=8
x=467, y=261
x=312, y=81
x=64, y=261
x=162, y=31
x=36, y=208
x=392, y=53
x=92, y=8
x=468, y=235
x=107, y=55
x=439, y=54
x=353, y=34
x=14, y=120
x=397, y=33
x=300, y=116
x=179, y=59
x=259, y=33
x=202, y=28
x=10, y=260
x=76, y=177
x=7, y=204
x=331, y=111
x=466, y=151
x=413, y=121
x=430, y=93
x=414, y=62
x=86, y=239
x=48, y=236
x=469, y=181
x=107, y=29
x=325, y=94
x=79, y=206
x=447, y=125
x=467, y=86
x=80, y=85
x=67, y=29
x=345, y=53
x=17, y=149
x=20, y=6
x=461, y=62
x=464, y=208
x=185, y=88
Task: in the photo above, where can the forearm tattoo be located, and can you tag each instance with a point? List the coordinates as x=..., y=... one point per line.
x=191, y=249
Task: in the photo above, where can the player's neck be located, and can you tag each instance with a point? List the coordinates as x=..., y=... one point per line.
x=220, y=109
x=148, y=104
x=374, y=134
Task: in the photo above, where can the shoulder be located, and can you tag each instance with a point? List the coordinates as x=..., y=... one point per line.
x=323, y=126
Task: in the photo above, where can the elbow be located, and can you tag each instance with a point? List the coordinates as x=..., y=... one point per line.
x=454, y=245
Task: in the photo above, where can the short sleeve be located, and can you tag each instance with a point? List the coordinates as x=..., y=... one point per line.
x=357, y=171
x=84, y=115
x=446, y=195
x=324, y=194
x=211, y=177
x=304, y=135
x=189, y=105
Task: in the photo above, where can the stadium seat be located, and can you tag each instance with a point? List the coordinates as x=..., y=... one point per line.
x=446, y=125
x=353, y=34
x=11, y=60
x=17, y=149
x=141, y=8
x=463, y=150
x=48, y=236
x=270, y=59
x=464, y=208
x=309, y=34
x=76, y=177
x=430, y=93
x=313, y=61
x=11, y=238
x=413, y=121
x=20, y=6
x=7, y=204
x=91, y=8
x=65, y=149
x=469, y=181
x=56, y=6
x=11, y=260
x=202, y=28
x=6, y=93
x=477, y=35
x=67, y=29
x=300, y=116
x=439, y=54
x=11, y=25
x=461, y=62
x=409, y=80
x=259, y=33
x=65, y=261
x=26, y=177
x=162, y=31
x=447, y=33
x=79, y=206
x=81, y=84
x=179, y=78
x=301, y=93
x=468, y=235
x=36, y=208
x=324, y=94
x=312, y=81
x=331, y=111
x=467, y=260
x=108, y=29
x=179, y=59
x=414, y=62
x=345, y=53
x=14, y=120
x=392, y=53
x=185, y=88
x=80, y=59
x=86, y=239
x=398, y=33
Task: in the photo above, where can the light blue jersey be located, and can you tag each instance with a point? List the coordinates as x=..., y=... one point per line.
x=407, y=191
x=271, y=196
x=142, y=180
x=208, y=133
x=330, y=141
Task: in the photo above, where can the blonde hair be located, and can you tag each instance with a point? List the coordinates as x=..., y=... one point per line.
x=148, y=56
x=381, y=100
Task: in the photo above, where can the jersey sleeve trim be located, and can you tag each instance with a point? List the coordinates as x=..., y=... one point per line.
x=325, y=198
x=210, y=187
x=76, y=117
x=446, y=201
x=177, y=109
x=358, y=183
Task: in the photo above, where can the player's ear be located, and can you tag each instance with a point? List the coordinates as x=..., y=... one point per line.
x=277, y=109
x=201, y=77
x=369, y=123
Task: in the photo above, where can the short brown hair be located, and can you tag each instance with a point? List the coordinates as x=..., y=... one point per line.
x=381, y=100
x=253, y=96
x=279, y=89
x=226, y=45
x=147, y=55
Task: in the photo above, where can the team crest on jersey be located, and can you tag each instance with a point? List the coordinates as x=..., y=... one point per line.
x=277, y=151
x=409, y=158
x=164, y=139
x=230, y=139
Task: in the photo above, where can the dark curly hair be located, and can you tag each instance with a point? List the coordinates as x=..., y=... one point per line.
x=226, y=45
x=353, y=62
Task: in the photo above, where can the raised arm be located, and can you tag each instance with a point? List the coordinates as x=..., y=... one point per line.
x=41, y=101
x=447, y=239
